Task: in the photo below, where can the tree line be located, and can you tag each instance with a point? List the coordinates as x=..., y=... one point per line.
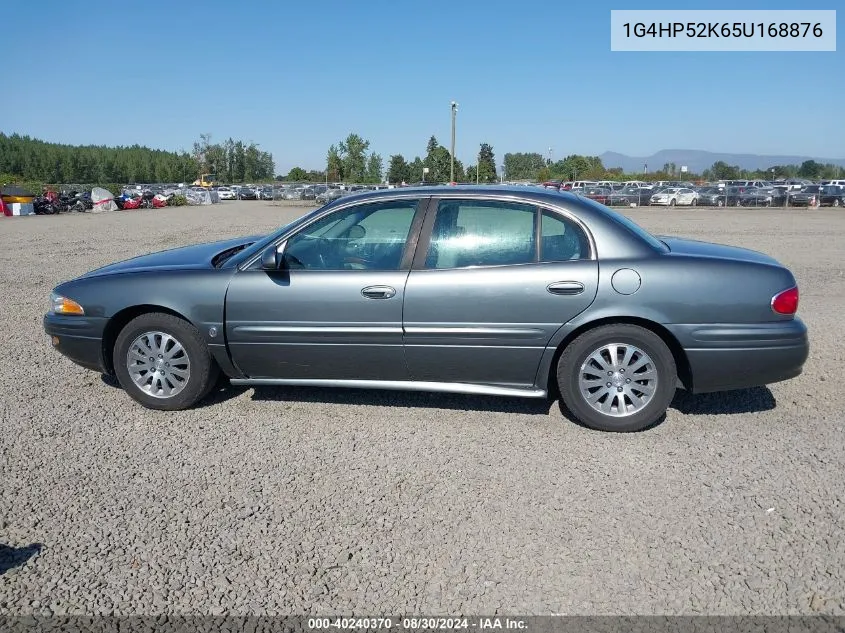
x=349, y=161
x=25, y=159
x=532, y=166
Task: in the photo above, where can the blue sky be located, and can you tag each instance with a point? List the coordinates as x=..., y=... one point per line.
x=296, y=77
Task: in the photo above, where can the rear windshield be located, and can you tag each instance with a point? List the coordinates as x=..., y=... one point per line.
x=632, y=226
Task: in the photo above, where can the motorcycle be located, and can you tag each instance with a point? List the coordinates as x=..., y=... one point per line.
x=43, y=205
x=76, y=201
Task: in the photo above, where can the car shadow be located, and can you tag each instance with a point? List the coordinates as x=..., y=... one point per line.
x=222, y=391
x=404, y=399
x=11, y=557
x=753, y=400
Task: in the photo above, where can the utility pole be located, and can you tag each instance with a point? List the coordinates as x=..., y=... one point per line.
x=454, y=112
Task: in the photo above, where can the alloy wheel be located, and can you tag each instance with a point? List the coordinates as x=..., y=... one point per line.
x=617, y=379
x=158, y=364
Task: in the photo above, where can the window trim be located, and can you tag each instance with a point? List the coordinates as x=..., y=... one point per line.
x=424, y=241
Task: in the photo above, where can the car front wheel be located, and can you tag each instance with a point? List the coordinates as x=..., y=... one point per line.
x=162, y=362
x=618, y=378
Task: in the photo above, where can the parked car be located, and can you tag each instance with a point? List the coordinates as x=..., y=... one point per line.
x=599, y=194
x=758, y=197
x=267, y=193
x=711, y=197
x=506, y=291
x=807, y=195
x=630, y=196
x=226, y=193
x=671, y=196
x=329, y=195
x=832, y=196
x=247, y=193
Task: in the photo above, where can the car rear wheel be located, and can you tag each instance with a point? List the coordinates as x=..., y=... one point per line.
x=618, y=378
x=836, y=202
x=672, y=202
x=162, y=362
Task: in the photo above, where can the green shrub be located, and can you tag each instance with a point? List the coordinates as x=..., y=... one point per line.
x=177, y=201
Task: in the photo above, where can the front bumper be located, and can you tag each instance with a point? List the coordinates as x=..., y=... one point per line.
x=738, y=356
x=80, y=338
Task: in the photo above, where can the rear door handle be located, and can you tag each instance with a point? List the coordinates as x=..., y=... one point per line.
x=378, y=292
x=566, y=288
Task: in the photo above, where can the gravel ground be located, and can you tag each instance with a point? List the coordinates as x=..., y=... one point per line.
x=279, y=501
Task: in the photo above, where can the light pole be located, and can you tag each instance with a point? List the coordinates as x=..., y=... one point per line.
x=550, y=157
x=454, y=113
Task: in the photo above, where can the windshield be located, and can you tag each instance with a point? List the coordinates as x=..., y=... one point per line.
x=261, y=244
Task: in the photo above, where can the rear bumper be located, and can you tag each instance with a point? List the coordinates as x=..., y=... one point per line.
x=80, y=338
x=737, y=356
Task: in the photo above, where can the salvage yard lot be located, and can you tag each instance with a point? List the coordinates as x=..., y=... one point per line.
x=293, y=500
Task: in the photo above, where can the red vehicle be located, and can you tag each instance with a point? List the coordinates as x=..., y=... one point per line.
x=132, y=203
x=599, y=194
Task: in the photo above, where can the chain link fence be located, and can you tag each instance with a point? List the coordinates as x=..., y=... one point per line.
x=776, y=196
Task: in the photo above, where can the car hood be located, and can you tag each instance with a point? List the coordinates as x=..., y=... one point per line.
x=695, y=248
x=197, y=256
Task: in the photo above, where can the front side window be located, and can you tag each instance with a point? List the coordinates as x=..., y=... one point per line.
x=482, y=233
x=364, y=237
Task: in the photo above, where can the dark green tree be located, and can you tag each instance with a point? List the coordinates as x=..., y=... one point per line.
x=398, y=171
x=810, y=169
x=353, y=156
x=486, y=164
x=439, y=162
x=375, y=168
x=720, y=170
x=524, y=166
x=297, y=174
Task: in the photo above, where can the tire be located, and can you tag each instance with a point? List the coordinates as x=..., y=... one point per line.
x=835, y=202
x=633, y=339
x=145, y=331
x=720, y=203
x=672, y=202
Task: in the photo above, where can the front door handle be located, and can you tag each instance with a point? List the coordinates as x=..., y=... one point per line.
x=566, y=288
x=378, y=292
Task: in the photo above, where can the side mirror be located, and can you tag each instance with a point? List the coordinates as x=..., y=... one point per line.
x=273, y=257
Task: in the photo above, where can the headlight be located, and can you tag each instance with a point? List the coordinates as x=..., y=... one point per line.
x=63, y=305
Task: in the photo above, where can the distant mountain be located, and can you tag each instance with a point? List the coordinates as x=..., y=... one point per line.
x=698, y=160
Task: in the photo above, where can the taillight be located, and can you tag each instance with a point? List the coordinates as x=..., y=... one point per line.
x=786, y=302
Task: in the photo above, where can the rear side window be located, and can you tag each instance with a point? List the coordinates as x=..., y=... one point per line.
x=482, y=233
x=561, y=240
x=470, y=233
